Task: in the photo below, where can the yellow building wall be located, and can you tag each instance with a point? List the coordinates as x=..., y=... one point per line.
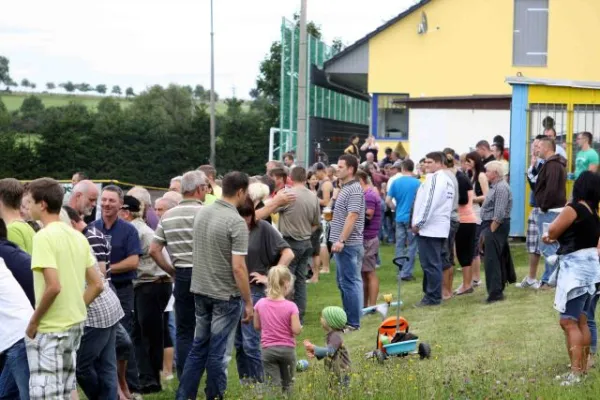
x=401, y=147
x=468, y=48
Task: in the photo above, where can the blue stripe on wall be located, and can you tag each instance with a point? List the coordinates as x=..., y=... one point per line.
x=518, y=158
x=374, y=114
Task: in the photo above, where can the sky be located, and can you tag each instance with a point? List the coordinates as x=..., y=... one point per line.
x=140, y=43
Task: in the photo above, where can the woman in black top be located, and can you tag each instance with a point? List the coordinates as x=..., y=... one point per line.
x=353, y=147
x=481, y=186
x=577, y=230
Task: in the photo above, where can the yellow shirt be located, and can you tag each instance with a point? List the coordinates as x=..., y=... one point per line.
x=61, y=247
x=209, y=199
x=217, y=191
x=21, y=234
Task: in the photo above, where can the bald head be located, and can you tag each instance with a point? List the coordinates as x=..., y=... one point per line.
x=84, y=197
x=174, y=196
x=162, y=205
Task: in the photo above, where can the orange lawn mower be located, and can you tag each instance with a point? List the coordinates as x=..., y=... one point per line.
x=393, y=337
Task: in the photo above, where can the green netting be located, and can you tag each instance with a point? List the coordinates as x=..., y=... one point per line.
x=321, y=102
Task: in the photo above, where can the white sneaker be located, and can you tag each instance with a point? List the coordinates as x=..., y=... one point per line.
x=528, y=283
x=571, y=379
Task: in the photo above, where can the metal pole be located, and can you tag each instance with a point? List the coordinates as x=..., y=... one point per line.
x=212, y=90
x=301, y=155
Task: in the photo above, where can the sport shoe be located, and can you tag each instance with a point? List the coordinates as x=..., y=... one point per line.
x=570, y=379
x=528, y=283
x=350, y=329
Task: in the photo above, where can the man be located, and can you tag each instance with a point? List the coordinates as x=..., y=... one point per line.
x=550, y=196
x=19, y=232
x=124, y=259
x=62, y=264
x=587, y=157
x=387, y=159
x=431, y=222
x=369, y=160
x=401, y=197
x=97, y=357
x=78, y=177
x=389, y=219
x=448, y=248
x=175, y=232
x=346, y=234
x=143, y=195
x=15, y=312
x=162, y=205
x=219, y=283
x=532, y=240
x=297, y=222
x=483, y=148
x=551, y=133
x=373, y=216
x=18, y=262
x=288, y=161
x=175, y=184
x=272, y=164
x=211, y=175
x=152, y=290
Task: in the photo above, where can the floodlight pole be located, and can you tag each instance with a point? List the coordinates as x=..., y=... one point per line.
x=301, y=157
x=212, y=91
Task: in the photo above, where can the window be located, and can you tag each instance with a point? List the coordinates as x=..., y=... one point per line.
x=530, y=37
x=547, y=116
x=393, y=117
x=586, y=118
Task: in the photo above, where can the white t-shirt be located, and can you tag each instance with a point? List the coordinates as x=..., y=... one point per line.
x=433, y=205
x=171, y=302
x=15, y=309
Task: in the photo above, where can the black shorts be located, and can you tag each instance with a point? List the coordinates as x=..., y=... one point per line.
x=315, y=240
x=448, y=247
x=465, y=240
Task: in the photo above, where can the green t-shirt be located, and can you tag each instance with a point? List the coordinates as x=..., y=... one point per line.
x=21, y=234
x=584, y=159
x=60, y=247
x=209, y=199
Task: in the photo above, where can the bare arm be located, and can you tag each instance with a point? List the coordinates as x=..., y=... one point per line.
x=327, y=189
x=51, y=291
x=370, y=213
x=156, y=252
x=593, y=167
x=256, y=321
x=240, y=273
x=287, y=255
x=565, y=219
x=485, y=187
x=126, y=265
x=94, y=285
x=271, y=206
x=102, y=267
x=296, y=326
x=351, y=219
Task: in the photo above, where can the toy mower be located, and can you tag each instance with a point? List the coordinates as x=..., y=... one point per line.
x=393, y=337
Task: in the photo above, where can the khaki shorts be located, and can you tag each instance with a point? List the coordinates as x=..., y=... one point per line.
x=370, y=258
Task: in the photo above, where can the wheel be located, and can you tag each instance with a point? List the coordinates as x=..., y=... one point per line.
x=381, y=356
x=424, y=351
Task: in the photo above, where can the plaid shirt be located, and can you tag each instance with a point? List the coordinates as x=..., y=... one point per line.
x=498, y=203
x=105, y=310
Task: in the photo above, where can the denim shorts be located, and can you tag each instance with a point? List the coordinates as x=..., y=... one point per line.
x=576, y=307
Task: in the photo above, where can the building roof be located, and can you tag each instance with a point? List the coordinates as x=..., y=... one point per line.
x=383, y=27
x=522, y=80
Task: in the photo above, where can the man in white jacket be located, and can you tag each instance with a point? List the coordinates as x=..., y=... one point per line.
x=431, y=224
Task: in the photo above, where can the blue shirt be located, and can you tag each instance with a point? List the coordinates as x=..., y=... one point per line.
x=124, y=242
x=403, y=191
x=19, y=263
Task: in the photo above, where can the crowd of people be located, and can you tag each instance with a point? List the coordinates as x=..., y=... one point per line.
x=110, y=305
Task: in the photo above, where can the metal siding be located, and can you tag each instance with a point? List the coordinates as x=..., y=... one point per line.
x=530, y=41
x=518, y=157
x=356, y=62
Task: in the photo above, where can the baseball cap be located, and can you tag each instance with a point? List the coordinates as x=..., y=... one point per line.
x=130, y=203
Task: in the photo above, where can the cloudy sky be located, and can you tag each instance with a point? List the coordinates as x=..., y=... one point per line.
x=139, y=43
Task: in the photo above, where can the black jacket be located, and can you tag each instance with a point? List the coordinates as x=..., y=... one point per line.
x=550, y=188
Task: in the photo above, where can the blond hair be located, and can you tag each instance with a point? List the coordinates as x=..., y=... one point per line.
x=495, y=166
x=258, y=191
x=277, y=278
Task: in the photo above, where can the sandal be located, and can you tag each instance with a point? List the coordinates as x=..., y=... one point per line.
x=468, y=291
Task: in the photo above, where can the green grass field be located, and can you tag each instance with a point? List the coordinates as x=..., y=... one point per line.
x=510, y=350
x=13, y=101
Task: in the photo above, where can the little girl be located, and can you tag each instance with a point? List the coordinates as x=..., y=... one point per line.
x=279, y=322
x=337, y=358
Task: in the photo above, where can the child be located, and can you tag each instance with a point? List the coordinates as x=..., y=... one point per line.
x=337, y=358
x=278, y=320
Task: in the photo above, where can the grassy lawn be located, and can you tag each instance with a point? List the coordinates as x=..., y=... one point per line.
x=512, y=349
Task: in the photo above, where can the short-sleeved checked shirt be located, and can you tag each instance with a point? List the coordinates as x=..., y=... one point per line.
x=351, y=199
x=105, y=310
x=498, y=203
x=219, y=233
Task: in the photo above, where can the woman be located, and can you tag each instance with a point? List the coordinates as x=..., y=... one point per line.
x=465, y=236
x=498, y=151
x=370, y=146
x=312, y=182
x=495, y=226
x=315, y=239
x=258, y=193
x=353, y=147
x=324, y=194
x=266, y=248
x=577, y=230
x=481, y=186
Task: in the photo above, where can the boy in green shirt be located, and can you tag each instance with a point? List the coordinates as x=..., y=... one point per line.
x=62, y=264
x=18, y=231
x=587, y=157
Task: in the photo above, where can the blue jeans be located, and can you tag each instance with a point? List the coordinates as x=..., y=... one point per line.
x=124, y=292
x=349, y=280
x=299, y=268
x=247, y=346
x=390, y=227
x=430, y=255
x=185, y=316
x=216, y=321
x=547, y=250
x=406, y=245
x=97, y=363
x=591, y=321
x=14, y=379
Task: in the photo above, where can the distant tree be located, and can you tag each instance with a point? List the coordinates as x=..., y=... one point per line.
x=68, y=86
x=31, y=113
x=337, y=45
x=116, y=90
x=199, y=91
x=32, y=85
x=129, y=92
x=189, y=89
x=313, y=29
x=101, y=88
x=50, y=86
x=4, y=71
x=254, y=93
x=25, y=82
x=83, y=87
x=206, y=97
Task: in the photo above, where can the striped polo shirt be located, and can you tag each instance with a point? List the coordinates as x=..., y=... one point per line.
x=176, y=231
x=219, y=234
x=351, y=199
